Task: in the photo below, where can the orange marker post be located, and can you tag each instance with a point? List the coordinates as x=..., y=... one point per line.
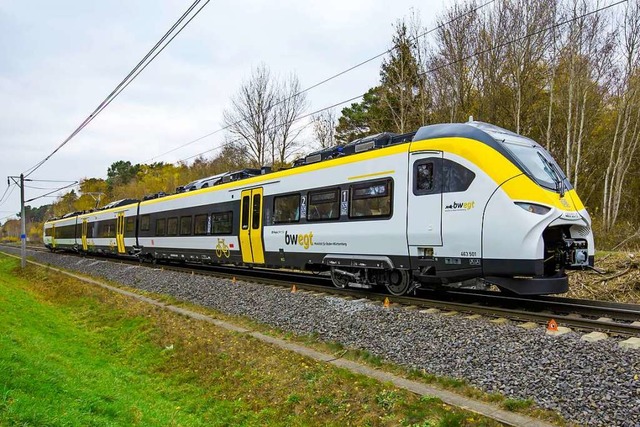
x=552, y=325
x=233, y=280
x=294, y=289
x=386, y=303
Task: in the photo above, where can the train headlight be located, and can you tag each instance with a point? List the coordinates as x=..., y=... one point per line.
x=533, y=208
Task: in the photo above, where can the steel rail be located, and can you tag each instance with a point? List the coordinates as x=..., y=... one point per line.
x=538, y=309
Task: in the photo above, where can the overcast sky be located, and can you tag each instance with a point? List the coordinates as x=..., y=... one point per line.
x=59, y=59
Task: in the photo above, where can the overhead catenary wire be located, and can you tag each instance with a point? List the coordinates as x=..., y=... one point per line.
x=233, y=141
x=5, y=193
x=432, y=70
x=51, y=192
x=3, y=201
x=328, y=79
x=147, y=59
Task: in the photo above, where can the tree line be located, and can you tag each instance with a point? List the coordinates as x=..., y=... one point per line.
x=552, y=70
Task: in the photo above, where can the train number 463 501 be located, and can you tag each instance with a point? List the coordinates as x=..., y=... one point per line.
x=469, y=253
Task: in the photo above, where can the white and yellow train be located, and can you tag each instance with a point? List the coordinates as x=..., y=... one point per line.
x=445, y=204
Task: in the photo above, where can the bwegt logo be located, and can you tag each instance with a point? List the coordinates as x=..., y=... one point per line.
x=304, y=240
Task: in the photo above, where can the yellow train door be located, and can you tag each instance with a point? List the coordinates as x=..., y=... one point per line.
x=53, y=236
x=120, y=232
x=84, y=235
x=251, y=226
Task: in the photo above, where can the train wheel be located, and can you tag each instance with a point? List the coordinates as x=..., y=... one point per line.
x=398, y=282
x=339, y=280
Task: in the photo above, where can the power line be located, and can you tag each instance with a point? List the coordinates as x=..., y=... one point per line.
x=526, y=36
x=229, y=143
x=51, y=192
x=5, y=192
x=146, y=60
x=2, y=202
x=328, y=79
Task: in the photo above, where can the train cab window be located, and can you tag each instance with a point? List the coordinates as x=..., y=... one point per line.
x=47, y=232
x=145, y=223
x=424, y=176
x=222, y=222
x=372, y=199
x=286, y=209
x=185, y=225
x=324, y=205
x=200, y=225
x=130, y=226
x=161, y=227
x=456, y=177
x=172, y=226
x=427, y=176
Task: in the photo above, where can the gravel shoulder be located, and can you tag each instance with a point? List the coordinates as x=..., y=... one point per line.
x=587, y=383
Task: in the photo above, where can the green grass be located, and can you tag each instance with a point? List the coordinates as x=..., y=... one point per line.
x=76, y=355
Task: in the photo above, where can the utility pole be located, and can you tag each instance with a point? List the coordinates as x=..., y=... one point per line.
x=23, y=220
x=23, y=225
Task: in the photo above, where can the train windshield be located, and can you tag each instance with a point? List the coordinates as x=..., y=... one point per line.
x=534, y=159
x=543, y=170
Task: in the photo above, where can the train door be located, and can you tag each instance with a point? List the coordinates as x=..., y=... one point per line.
x=53, y=235
x=251, y=226
x=84, y=235
x=424, y=223
x=120, y=232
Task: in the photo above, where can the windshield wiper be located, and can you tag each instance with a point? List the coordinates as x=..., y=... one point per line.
x=555, y=175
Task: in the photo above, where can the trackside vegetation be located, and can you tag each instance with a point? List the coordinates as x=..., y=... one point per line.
x=73, y=354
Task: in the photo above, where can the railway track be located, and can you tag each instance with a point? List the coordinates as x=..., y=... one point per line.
x=584, y=315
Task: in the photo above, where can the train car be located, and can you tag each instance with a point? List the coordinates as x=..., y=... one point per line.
x=111, y=230
x=60, y=233
x=445, y=204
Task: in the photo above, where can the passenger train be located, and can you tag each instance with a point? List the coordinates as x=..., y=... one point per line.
x=442, y=205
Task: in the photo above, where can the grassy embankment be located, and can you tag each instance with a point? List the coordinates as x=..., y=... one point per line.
x=72, y=354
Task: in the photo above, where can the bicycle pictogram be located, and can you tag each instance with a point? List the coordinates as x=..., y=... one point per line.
x=222, y=249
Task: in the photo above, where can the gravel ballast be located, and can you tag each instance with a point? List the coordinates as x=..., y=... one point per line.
x=587, y=383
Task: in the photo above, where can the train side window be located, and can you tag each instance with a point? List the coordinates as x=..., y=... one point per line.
x=145, y=223
x=255, y=220
x=223, y=222
x=286, y=209
x=172, y=226
x=161, y=227
x=200, y=225
x=324, y=205
x=130, y=226
x=245, y=213
x=456, y=177
x=90, y=229
x=107, y=229
x=185, y=225
x=372, y=199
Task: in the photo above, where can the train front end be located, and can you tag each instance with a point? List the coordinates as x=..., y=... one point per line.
x=535, y=226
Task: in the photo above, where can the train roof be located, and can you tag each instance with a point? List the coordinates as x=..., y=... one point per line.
x=480, y=131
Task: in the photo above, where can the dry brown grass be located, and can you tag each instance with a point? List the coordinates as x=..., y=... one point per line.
x=619, y=282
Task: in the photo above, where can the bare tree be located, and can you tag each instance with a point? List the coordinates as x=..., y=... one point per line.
x=324, y=128
x=283, y=137
x=627, y=131
x=262, y=114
